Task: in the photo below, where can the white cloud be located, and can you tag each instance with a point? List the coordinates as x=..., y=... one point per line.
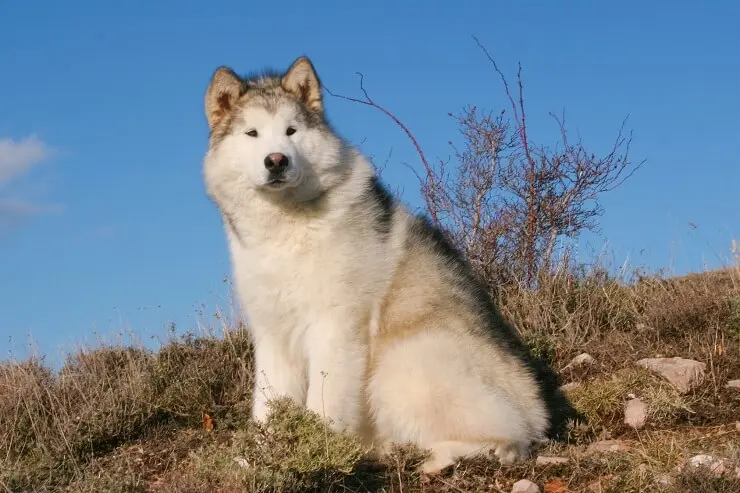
x=17, y=159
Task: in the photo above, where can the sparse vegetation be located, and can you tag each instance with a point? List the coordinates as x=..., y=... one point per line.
x=120, y=418
x=127, y=419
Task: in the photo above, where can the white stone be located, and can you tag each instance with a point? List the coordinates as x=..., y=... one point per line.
x=716, y=466
x=583, y=359
x=665, y=480
x=635, y=413
x=733, y=384
x=525, y=486
x=545, y=460
x=242, y=462
x=683, y=374
x=607, y=446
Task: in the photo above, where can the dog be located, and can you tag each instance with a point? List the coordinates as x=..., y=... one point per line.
x=359, y=310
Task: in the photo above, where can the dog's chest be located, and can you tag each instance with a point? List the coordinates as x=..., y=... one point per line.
x=286, y=274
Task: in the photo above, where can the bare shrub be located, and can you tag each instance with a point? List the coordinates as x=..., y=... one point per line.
x=509, y=201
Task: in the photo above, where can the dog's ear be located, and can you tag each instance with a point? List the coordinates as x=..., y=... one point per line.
x=223, y=91
x=301, y=81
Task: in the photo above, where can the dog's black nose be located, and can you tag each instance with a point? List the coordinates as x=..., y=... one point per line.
x=276, y=162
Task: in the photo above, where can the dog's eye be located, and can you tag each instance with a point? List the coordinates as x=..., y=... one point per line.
x=290, y=131
x=252, y=133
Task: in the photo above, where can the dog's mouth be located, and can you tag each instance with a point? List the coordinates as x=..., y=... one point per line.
x=277, y=183
x=280, y=181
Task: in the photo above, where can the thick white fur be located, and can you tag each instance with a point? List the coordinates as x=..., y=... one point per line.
x=312, y=282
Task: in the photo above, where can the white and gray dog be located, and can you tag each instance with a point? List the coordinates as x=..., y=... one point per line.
x=359, y=310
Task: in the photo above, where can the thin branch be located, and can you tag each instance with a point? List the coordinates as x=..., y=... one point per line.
x=521, y=122
x=368, y=101
x=505, y=202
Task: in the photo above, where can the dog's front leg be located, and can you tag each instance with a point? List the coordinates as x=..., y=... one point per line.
x=277, y=374
x=337, y=359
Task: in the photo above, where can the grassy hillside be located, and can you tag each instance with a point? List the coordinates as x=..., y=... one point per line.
x=125, y=419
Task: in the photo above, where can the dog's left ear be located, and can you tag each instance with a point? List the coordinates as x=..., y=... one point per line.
x=301, y=81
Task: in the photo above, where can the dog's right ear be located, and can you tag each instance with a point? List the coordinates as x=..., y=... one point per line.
x=223, y=91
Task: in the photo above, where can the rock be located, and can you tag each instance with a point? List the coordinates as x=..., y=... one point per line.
x=665, y=480
x=635, y=413
x=683, y=374
x=715, y=465
x=546, y=460
x=583, y=359
x=570, y=386
x=737, y=425
x=242, y=462
x=607, y=446
x=525, y=486
x=733, y=384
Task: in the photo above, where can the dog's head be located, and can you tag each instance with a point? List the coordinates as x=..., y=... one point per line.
x=268, y=133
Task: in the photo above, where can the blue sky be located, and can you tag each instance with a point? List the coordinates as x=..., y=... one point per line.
x=104, y=223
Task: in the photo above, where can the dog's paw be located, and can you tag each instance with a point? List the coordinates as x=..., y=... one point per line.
x=508, y=453
x=436, y=465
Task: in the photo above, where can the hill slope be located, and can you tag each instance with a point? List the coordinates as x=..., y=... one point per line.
x=125, y=419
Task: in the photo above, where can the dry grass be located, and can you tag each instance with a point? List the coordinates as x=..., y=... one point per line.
x=602, y=401
x=106, y=397
x=125, y=419
x=292, y=451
